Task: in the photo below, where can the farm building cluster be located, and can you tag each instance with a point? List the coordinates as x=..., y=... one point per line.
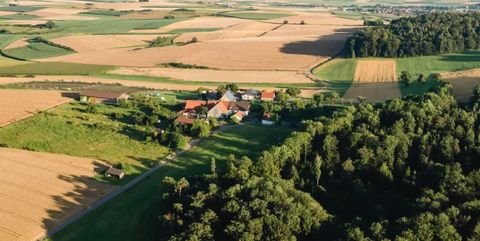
x=235, y=106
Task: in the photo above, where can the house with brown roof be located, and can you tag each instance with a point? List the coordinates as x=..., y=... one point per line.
x=99, y=96
x=267, y=96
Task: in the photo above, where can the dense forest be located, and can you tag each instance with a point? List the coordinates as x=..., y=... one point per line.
x=403, y=170
x=429, y=34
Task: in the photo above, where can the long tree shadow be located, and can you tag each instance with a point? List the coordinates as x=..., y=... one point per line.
x=84, y=192
x=326, y=45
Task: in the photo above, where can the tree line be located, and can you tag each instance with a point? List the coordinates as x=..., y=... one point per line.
x=401, y=170
x=428, y=34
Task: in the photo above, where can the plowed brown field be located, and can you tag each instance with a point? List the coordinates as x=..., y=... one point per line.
x=375, y=71
x=38, y=191
x=19, y=104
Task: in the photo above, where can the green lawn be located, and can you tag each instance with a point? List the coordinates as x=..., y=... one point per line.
x=134, y=214
x=37, y=50
x=254, y=15
x=54, y=68
x=68, y=129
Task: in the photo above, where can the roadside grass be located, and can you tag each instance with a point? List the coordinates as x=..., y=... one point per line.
x=338, y=73
x=253, y=15
x=36, y=50
x=134, y=214
x=192, y=30
x=53, y=68
x=70, y=130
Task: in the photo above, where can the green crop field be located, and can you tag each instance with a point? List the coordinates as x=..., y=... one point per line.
x=338, y=73
x=106, y=13
x=53, y=68
x=37, y=51
x=439, y=63
x=134, y=214
x=19, y=16
x=20, y=8
x=70, y=130
x=109, y=25
x=254, y=15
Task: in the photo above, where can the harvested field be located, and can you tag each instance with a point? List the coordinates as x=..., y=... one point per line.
x=321, y=18
x=61, y=14
x=39, y=191
x=239, y=31
x=17, y=44
x=241, y=54
x=248, y=45
x=373, y=92
x=87, y=43
x=19, y=104
x=375, y=71
x=205, y=22
x=209, y=75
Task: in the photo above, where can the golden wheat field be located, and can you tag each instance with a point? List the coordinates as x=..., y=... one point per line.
x=38, y=191
x=375, y=71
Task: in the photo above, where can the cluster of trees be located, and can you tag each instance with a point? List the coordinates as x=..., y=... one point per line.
x=402, y=170
x=429, y=34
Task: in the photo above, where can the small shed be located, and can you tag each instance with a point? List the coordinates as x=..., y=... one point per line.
x=114, y=172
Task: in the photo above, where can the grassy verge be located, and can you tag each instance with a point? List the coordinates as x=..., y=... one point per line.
x=70, y=130
x=134, y=214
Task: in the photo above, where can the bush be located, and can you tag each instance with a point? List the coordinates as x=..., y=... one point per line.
x=92, y=108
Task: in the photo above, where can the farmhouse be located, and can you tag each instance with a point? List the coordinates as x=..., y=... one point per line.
x=250, y=94
x=106, y=97
x=267, y=96
x=226, y=107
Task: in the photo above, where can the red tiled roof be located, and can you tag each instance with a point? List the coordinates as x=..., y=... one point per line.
x=185, y=120
x=223, y=105
x=268, y=95
x=192, y=104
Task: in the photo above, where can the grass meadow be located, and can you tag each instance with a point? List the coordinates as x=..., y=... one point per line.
x=134, y=214
x=70, y=130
